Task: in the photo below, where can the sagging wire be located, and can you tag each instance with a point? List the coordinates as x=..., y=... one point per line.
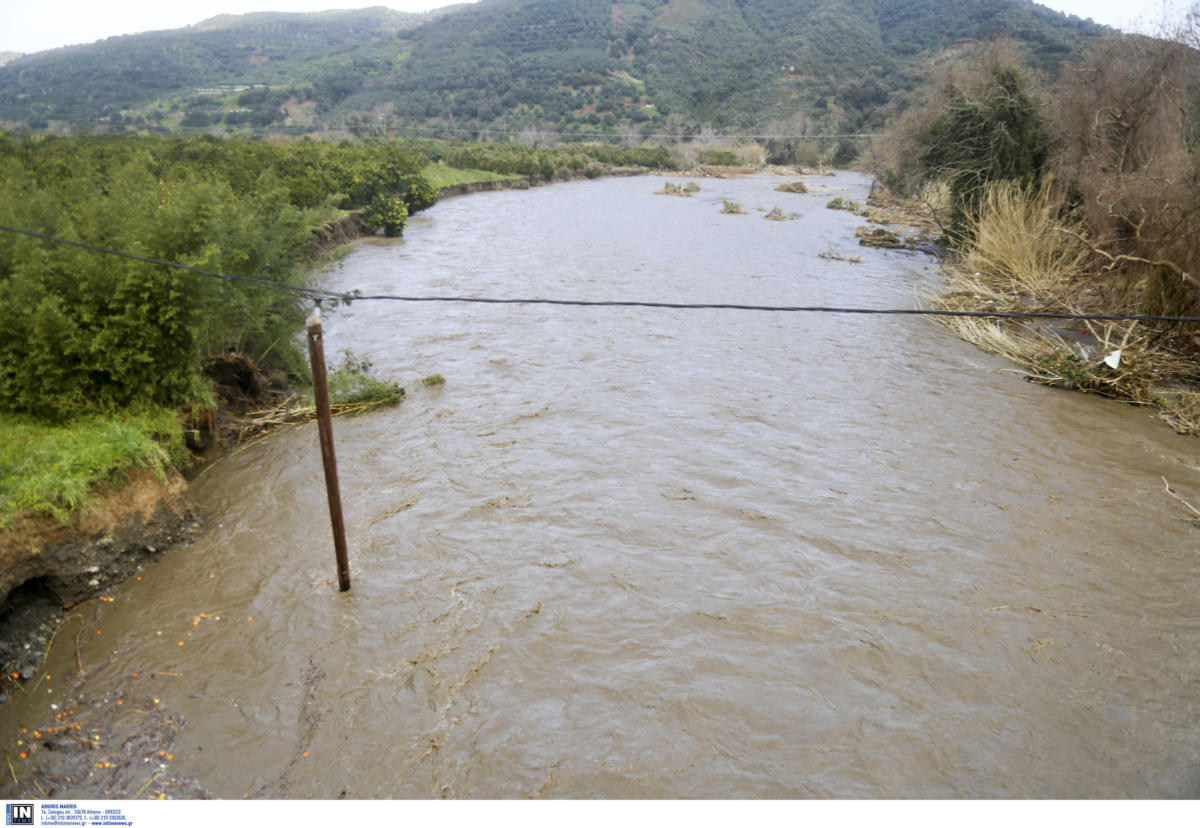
x=318, y=296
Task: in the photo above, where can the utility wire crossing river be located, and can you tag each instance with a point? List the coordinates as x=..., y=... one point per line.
x=670, y=553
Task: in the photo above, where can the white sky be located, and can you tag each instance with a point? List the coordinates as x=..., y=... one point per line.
x=35, y=25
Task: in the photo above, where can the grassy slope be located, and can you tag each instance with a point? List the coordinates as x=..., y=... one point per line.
x=440, y=176
x=52, y=469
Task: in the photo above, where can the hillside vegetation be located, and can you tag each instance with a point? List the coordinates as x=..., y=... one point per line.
x=580, y=68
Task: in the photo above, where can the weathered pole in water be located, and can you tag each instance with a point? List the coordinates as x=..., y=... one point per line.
x=316, y=357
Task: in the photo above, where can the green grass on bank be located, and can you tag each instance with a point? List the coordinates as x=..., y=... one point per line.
x=440, y=176
x=52, y=470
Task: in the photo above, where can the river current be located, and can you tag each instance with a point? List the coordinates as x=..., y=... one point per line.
x=631, y=552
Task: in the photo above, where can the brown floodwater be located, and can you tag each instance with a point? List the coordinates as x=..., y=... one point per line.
x=664, y=553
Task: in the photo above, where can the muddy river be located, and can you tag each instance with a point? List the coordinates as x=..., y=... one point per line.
x=631, y=553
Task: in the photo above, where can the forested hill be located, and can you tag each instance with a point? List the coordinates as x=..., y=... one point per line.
x=582, y=66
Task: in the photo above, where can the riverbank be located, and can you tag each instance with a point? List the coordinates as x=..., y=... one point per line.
x=1026, y=256
x=97, y=512
x=120, y=516
x=47, y=567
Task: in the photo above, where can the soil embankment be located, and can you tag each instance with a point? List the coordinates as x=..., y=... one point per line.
x=345, y=230
x=46, y=568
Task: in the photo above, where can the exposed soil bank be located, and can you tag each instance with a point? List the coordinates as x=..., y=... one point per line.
x=47, y=568
x=350, y=227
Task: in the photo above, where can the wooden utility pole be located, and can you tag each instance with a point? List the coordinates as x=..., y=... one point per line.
x=316, y=356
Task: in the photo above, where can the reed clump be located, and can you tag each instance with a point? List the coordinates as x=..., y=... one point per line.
x=1026, y=254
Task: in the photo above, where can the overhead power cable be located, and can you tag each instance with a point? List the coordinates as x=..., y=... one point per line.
x=318, y=295
x=1089, y=317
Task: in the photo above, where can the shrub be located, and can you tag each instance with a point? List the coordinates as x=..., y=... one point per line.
x=418, y=194
x=1129, y=159
x=718, y=158
x=990, y=134
x=387, y=212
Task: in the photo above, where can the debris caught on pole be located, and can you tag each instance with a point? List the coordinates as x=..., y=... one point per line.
x=316, y=356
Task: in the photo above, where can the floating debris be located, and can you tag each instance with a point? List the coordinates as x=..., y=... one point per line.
x=100, y=752
x=833, y=255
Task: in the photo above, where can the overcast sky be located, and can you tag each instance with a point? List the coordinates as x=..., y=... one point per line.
x=35, y=25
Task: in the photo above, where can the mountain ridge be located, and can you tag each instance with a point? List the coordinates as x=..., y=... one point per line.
x=584, y=65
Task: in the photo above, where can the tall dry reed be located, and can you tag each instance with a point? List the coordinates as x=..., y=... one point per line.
x=1020, y=245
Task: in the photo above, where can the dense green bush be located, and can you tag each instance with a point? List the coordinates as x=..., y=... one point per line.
x=588, y=159
x=719, y=158
x=996, y=133
x=418, y=194
x=387, y=212
x=86, y=331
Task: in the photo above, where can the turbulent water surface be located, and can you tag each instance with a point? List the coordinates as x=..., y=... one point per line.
x=632, y=552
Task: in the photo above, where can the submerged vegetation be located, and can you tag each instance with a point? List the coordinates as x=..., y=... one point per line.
x=843, y=203
x=673, y=189
x=793, y=187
